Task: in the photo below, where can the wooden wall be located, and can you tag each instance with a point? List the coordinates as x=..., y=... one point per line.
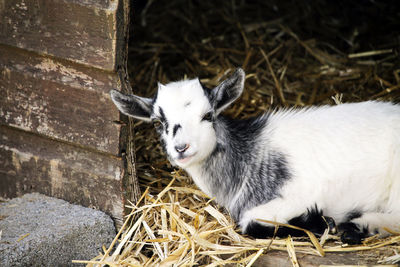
x=60, y=134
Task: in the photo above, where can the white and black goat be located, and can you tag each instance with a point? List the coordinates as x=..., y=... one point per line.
x=291, y=166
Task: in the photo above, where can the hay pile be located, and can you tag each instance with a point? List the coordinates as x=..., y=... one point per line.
x=294, y=54
x=181, y=226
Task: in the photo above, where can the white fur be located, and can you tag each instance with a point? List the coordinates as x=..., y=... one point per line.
x=184, y=103
x=342, y=158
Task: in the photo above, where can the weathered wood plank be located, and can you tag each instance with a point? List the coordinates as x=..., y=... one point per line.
x=127, y=134
x=281, y=259
x=31, y=163
x=58, y=99
x=81, y=31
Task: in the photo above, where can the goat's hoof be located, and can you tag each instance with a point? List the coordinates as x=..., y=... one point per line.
x=351, y=238
x=330, y=222
x=257, y=230
x=350, y=234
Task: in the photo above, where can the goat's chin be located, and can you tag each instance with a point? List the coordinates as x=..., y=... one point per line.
x=185, y=162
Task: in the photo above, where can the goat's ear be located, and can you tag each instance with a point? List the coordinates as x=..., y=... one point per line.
x=228, y=91
x=134, y=106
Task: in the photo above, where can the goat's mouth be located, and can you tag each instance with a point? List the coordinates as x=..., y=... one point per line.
x=183, y=159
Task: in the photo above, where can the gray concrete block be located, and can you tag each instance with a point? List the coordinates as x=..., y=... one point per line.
x=36, y=230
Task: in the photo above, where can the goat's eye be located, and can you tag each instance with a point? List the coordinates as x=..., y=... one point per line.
x=207, y=117
x=157, y=123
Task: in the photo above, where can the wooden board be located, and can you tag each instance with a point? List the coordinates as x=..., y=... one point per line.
x=58, y=99
x=81, y=31
x=31, y=163
x=361, y=258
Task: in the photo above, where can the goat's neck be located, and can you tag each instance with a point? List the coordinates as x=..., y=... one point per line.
x=221, y=175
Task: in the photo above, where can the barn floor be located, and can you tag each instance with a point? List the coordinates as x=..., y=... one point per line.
x=294, y=53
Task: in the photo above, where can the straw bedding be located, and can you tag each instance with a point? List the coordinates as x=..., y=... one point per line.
x=294, y=54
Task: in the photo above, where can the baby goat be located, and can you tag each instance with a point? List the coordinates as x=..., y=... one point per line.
x=303, y=167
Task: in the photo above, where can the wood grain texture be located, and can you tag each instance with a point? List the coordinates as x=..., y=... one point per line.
x=281, y=259
x=58, y=99
x=127, y=133
x=60, y=133
x=31, y=163
x=81, y=31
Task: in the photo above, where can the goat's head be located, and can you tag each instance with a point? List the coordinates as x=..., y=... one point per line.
x=184, y=114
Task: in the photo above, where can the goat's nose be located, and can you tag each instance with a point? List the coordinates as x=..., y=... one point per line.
x=181, y=148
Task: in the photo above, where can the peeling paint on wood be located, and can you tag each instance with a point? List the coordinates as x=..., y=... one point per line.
x=81, y=31
x=35, y=164
x=58, y=100
x=55, y=70
x=57, y=130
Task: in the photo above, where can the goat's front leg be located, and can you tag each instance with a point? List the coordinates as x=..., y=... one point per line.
x=282, y=211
